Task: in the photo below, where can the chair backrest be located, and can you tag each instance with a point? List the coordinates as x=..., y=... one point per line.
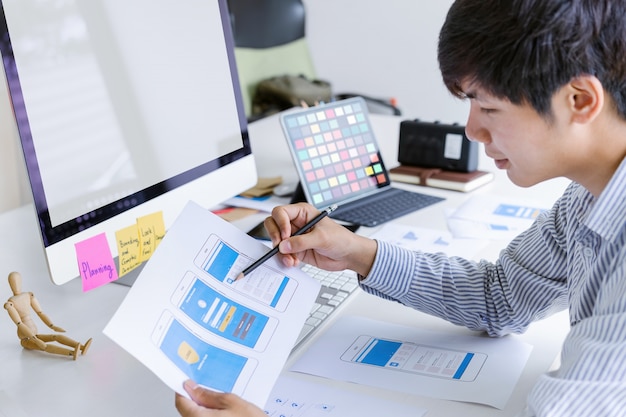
x=269, y=41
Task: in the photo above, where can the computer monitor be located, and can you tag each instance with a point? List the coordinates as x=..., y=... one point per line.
x=124, y=108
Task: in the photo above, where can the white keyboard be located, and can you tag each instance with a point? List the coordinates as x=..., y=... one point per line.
x=336, y=287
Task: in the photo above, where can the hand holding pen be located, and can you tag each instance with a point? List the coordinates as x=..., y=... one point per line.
x=274, y=250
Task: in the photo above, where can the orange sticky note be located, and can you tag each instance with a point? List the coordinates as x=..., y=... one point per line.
x=128, y=249
x=151, y=233
x=95, y=262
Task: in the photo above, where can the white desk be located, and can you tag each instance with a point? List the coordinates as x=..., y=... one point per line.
x=108, y=382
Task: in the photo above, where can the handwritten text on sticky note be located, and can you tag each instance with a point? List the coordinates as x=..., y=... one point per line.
x=151, y=233
x=128, y=249
x=95, y=262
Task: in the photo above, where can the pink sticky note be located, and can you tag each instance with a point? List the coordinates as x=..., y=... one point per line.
x=95, y=262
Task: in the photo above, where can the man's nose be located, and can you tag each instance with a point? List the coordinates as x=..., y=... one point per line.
x=474, y=130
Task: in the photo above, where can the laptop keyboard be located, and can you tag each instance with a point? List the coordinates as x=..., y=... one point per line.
x=388, y=205
x=337, y=286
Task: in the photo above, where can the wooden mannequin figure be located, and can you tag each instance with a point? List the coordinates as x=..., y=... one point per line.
x=19, y=306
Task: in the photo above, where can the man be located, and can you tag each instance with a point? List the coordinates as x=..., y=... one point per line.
x=546, y=83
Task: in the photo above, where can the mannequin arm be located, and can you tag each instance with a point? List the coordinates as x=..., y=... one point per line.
x=15, y=316
x=23, y=331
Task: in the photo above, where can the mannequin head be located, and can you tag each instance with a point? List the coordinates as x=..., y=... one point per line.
x=15, y=282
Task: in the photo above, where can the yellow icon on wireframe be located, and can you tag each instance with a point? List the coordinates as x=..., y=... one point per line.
x=187, y=353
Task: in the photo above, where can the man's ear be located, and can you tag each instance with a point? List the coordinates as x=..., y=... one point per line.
x=585, y=98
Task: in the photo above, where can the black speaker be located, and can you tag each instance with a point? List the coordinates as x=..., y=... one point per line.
x=436, y=145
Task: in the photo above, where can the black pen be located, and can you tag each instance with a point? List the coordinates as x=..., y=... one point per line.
x=274, y=250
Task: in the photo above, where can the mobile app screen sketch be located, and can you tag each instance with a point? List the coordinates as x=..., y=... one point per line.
x=208, y=365
x=222, y=262
x=412, y=357
x=519, y=212
x=221, y=315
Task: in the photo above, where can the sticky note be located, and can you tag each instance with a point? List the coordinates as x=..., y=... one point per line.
x=128, y=249
x=151, y=233
x=95, y=262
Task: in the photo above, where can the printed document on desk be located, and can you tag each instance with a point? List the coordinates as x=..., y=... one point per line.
x=186, y=316
x=428, y=240
x=294, y=397
x=447, y=366
x=493, y=217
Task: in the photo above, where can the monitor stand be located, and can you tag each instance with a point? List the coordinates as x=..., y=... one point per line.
x=129, y=278
x=298, y=194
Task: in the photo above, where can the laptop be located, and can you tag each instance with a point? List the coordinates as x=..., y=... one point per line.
x=339, y=162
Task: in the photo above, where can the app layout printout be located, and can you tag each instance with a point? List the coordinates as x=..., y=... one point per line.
x=335, y=151
x=416, y=358
x=208, y=365
x=517, y=211
x=266, y=285
x=222, y=316
x=185, y=317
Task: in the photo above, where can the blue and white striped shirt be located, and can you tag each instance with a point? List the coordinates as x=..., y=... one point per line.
x=573, y=256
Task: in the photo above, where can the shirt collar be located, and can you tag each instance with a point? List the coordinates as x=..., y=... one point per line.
x=608, y=215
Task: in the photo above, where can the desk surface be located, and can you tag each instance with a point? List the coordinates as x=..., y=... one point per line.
x=107, y=381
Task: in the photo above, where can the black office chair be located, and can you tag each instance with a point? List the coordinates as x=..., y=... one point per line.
x=270, y=40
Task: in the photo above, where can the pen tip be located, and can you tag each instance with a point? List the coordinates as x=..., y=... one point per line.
x=239, y=276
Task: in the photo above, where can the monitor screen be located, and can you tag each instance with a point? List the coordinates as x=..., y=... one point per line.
x=124, y=108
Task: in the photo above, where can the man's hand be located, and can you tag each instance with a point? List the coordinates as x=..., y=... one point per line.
x=206, y=403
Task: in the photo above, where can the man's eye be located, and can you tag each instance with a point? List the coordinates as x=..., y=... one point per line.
x=487, y=111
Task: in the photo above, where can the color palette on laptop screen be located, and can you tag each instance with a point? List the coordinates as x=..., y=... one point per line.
x=335, y=150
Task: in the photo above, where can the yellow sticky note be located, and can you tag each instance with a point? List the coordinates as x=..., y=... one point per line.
x=128, y=249
x=151, y=233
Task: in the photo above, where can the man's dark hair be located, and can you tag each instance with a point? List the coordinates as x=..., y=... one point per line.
x=525, y=50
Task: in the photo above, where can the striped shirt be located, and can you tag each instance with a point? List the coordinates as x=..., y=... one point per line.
x=573, y=256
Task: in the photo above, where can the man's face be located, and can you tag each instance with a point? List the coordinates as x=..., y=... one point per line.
x=530, y=148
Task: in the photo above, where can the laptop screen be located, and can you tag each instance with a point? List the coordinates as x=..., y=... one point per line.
x=335, y=152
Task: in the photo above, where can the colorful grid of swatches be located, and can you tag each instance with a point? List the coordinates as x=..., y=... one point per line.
x=336, y=152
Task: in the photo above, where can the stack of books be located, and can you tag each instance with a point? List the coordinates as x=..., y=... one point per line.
x=439, y=178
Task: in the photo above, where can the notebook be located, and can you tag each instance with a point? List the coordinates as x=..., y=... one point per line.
x=339, y=162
